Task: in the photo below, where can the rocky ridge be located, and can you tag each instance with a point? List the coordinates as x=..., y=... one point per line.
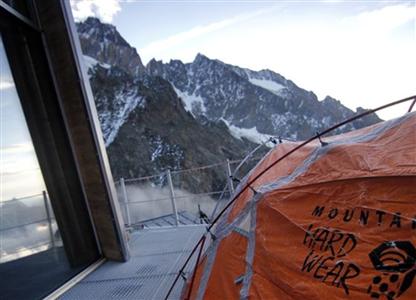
x=177, y=116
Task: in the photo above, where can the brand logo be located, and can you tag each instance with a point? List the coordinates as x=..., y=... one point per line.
x=396, y=261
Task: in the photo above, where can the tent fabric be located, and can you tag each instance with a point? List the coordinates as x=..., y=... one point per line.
x=328, y=222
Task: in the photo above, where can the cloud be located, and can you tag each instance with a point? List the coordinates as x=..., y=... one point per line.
x=6, y=84
x=198, y=31
x=384, y=19
x=105, y=10
x=17, y=148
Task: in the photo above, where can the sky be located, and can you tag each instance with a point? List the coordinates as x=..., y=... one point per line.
x=359, y=52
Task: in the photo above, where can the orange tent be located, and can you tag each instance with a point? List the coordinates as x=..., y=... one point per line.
x=331, y=221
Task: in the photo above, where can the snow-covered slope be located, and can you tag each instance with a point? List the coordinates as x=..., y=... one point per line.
x=247, y=100
x=192, y=103
x=117, y=99
x=111, y=121
x=268, y=85
x=250, y=134
x=176, y=115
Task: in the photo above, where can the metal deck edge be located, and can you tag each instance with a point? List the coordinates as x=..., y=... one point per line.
x=74, y=280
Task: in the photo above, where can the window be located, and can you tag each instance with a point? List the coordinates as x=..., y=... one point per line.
x=27, y=224
x=32, y=257
x=46, y=232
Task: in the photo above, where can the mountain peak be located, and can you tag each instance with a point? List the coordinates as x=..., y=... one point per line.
x=104, y=43
x=93, y=21
x=200, y=58
x=262, y=101
x=93, y=26
x=153, y=61
x=329, y=99
x=155, y=67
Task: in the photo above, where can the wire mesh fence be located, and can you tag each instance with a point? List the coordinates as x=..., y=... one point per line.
x=180, y=197
x=144, y=198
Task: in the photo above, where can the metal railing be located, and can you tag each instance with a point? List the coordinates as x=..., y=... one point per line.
x=27, y=226
x=172, y=193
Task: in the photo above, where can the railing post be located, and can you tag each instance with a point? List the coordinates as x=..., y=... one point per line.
x=229, y=176
x=48, y=216
x=172, y=197
x=126, y=201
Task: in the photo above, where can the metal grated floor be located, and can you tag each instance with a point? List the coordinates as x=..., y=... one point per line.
x=185, y=218
x=156, y=257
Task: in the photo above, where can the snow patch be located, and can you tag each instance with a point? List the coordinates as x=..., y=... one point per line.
x=272, y=86
x=193, y=104
x=326, y=121
x=157, y=152
x=90, y=63
x=281, y=121
x=250, y=134
x=111, y=122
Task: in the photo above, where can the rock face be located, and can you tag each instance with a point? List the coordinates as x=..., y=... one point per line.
x=147, y=130
x=176, y=116
x=105, y=44
x=263, y=100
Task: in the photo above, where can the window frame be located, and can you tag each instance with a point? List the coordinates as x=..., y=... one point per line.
x=35, y=85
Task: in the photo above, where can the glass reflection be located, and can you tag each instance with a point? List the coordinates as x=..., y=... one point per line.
x=33, y=261
x=27, y=225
